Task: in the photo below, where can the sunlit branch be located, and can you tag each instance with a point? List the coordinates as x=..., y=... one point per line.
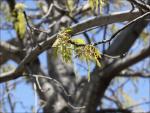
x=113, y=36
x=48, y=43
x=9, y=48
x=104, y=20
x=37, y=77
x=134, y=74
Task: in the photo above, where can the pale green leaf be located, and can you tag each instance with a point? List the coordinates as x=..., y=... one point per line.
x=20, y=6
x=20, y=22
x=70, y=5
x=20, y=25
x=78, y=40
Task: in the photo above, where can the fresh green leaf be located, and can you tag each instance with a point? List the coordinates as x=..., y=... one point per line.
x=20, y=22
x=78, y=41
x=85, y=52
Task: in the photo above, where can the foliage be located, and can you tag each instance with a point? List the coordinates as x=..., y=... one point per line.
x=62, y=46
x=70, y=5
x=145, y=36
x=97, y=4
x=6, y=12
x=19, y=21
x=88, y=53
x=78, y=41
x=67, y=46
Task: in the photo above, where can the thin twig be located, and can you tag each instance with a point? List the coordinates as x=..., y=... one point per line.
x=136, y=105
x=49, y=11
x=75, y=107
x=113, y=36
x=140, y=4
x=11, y=104
x=60, y=85
x=37, y=81
x=57, y=82
x=108, y=56
x=32, y=27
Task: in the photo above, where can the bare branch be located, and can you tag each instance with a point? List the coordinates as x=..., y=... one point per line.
x=113, y=69
x=134, y=74
x=116, y=102
x=11, y=104
x=48, y=43
x=102, y=82
x=105, y=20
x=9, y=51
x=9, y=76
x=49, y=11
x=141, y=5
x=133, y=106
x=133, y=21
x=127, y=61
x=3, y=59
x=6, y=47
x=113, y=36
x=59, y=85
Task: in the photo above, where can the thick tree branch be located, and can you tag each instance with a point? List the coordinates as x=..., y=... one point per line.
x=103, y=79
x=113, y=69
x=6, y=47
x=128, y=61
x=122, y=43
x=104, y=20
x=126, y=38
x=48, y=43
x=130, y=23
x=9, y=51
x=4, y=77
x=11, y=4
x=102, y=82
x=3, y=59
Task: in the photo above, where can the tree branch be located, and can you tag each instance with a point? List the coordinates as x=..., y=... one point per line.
x=104, y=20
x=114, y=111
x=114, y=35
x=48, y=43
x=6, y=47
x=134, y=74
x=141, y=5
x=10, y=51
x=109, y=72
x=102, y=82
